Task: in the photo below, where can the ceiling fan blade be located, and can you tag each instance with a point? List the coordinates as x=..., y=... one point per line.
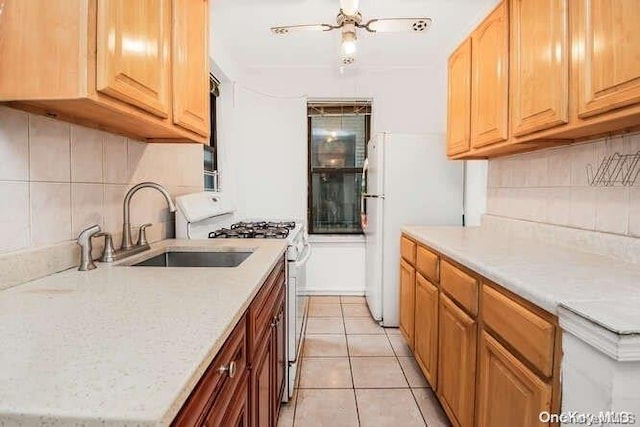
x=349, y=7
x=286, y=29
x=398, y=25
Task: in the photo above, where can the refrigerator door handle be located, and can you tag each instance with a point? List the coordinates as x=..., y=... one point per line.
x=363, y=195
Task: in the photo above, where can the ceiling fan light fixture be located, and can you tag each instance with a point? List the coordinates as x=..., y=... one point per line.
x=349, y=46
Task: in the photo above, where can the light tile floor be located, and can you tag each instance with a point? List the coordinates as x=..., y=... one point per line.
x=356, y=373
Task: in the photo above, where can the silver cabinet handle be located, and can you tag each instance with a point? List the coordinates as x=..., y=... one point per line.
x=231, y=369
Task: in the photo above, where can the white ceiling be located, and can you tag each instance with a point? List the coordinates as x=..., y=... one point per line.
x=243, y=26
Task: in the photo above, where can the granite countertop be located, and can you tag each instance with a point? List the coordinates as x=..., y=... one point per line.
x=121, y=345
x=604, y=290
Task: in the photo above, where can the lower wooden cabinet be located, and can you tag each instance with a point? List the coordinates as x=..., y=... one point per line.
x=509, y=394
x=244, y=384
x=407, y=300
x=492, y=357
x=237, y=414
x=457, y=362
x=262, y=385
x=426, y=329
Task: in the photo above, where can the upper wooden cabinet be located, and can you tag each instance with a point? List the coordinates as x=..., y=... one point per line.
x=135, y=68
x=609, y=63
x=190, y=57
x=539, y=65
x=459, y=95
x=490, y=79
x=133, y=53
x=573, y=72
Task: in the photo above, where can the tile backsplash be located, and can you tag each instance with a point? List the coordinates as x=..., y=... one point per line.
x=57, y=178
x=551, y=186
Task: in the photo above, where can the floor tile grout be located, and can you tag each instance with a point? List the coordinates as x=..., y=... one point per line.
x=394, y=354
x=353, y=381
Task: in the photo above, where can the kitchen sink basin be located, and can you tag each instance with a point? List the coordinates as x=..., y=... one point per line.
x=195, y=259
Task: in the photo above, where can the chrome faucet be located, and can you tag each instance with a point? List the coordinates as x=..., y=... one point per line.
x=84, y=240
x=128, y=248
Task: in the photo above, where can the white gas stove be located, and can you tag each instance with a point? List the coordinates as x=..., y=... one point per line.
x=210, y=215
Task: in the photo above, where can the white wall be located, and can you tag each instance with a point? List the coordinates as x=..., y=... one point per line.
x=263, y=143
x=266, y=146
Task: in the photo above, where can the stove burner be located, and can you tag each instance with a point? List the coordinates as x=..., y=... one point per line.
x=255, y=230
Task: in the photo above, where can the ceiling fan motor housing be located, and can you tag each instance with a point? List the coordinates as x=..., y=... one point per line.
x=343, y=19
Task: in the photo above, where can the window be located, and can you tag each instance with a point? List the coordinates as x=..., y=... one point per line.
x=338, y=135
x=211, y=150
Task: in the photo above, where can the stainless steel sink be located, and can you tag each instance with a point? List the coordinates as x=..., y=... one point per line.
x=195, y=259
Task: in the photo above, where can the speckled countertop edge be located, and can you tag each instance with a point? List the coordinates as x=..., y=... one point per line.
x=468, y=246
x=271, y=253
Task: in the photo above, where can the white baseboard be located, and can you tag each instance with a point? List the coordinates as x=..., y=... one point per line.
x=325, y=291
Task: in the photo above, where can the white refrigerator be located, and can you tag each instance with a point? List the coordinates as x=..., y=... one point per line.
x=407, y=180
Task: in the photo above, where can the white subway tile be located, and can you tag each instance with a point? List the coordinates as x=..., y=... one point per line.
x=148, y=206
x=558, y=204
x=113, y=200
x=634, y=211
x=50, y=212
x=115, y=159
x=535, y=203
x=581, y=156
x=519, y=170
x=190, y=169
x=49, y=150
x=494, y=173
x=87, y=206
x=612, y=209
x=14, y=145
x=559, y=167
x=582, y=211
x=86, y=155
x=140, y=167
x=14, y=216
x=538, y=170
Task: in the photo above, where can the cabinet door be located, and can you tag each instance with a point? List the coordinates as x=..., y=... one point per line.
x=490, y=79
x=237, y=414
x=190, y=65
x=407, y=300
x=457, y=362
x=609, y=61
x=262, y=390
x=133, y=52
x=539, y=65
x=509, y=394
x=426, y=329
x=280, y=352
x=459, y=100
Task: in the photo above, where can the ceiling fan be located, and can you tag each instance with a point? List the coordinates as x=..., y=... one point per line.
x=350, y=19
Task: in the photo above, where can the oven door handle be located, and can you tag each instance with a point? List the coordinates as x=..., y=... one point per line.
x=307, y=253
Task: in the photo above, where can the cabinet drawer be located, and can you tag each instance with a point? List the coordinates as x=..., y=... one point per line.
x=427, y=263
x=219, y=380
x=262, y=308
x=529, y=334
x=225, y=411
x=408, y=250
x=460, y=286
